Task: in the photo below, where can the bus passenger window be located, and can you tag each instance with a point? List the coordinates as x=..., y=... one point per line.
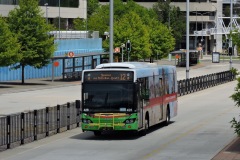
x=144, y=89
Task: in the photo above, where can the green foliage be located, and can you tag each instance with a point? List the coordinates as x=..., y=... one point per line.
x=80, y=24
x=236, y=39
x=234, y=71
x=92, y=6
x=161, y=40
x=236, y=126
x=236, y=98
x=132, y=22
x=177, y=20
x=99, y=21
x=28, y=24
x=9, y=47
x=130, y=27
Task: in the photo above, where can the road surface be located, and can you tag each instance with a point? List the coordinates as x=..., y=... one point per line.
x=199, y=132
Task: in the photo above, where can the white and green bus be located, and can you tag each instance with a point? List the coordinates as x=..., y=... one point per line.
x=130, y=96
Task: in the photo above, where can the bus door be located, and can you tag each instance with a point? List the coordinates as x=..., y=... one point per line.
x=140, y=111
x=162, y=91
x=143, y=99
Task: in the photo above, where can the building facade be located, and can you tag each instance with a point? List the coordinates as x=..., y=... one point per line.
x=206, y=22
x=52, y=9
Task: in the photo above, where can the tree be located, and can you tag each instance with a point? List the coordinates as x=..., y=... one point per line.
x=82, y=24
x=236, y=98
x=130, y=27
x=161, y=40
x=133, y=22
x=177, y=19
x=9, y=46
x=99, y=21
x=28, y=24
x=92, y=6
x=79, y=24
x=236, y=39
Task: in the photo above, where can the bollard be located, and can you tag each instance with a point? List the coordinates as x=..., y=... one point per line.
x=22, y=127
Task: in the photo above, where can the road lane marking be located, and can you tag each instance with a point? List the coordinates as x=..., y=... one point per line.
x=200, y=125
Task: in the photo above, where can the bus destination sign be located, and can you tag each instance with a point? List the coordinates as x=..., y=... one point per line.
x=108, y=76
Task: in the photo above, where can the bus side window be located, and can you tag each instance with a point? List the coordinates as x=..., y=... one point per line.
x=144, y=89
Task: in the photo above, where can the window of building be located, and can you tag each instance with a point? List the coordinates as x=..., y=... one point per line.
x=63, y=3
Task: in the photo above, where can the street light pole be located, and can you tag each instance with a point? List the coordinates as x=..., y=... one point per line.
x=230, y=41
x=122, y=46
x=59, y=17
x=202, y=29
x=187, y=40
x=111, y=32
x=46, y=4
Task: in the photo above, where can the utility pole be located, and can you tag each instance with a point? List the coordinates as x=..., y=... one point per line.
x=230, y=49
x=59, y=17
x=111, y=32
x=122, y=46
x=187, y=40
x=46, y=4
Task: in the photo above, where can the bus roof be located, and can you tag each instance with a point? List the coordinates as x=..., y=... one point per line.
x=141, y=69
x=127, y=65
x=182, y=52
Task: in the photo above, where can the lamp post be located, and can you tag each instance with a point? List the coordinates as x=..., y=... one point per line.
x=59, y=16
x=187, y=40
x=216, y=21
x=111, y=32
x=46, y=4
x=230, y=41
x=122, y=46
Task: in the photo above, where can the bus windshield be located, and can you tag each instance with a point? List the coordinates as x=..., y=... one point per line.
x=108, y=97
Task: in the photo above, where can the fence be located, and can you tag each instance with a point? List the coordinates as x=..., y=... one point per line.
x=25, y=127
x=187, y=86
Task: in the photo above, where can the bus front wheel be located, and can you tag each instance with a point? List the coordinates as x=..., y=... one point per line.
x=146, y=126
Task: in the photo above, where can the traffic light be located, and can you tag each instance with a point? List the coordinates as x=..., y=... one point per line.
x=128, y=46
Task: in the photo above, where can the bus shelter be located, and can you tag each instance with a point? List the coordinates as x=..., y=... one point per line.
x=180, y=57
x=73, y=65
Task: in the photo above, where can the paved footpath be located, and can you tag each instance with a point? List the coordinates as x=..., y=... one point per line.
x=12, y=90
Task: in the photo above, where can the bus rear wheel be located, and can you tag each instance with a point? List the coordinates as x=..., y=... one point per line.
x=167, y=118
x=97, y=133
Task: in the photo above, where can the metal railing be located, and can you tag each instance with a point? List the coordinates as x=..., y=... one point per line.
x=25, y=127
x=191, y=85
x=20, y=128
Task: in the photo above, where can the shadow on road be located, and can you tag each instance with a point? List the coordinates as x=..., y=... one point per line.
x=117, y=135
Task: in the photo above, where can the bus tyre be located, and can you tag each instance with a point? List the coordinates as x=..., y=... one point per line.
x=97, y=133
x=144, y=131
x=167, y=118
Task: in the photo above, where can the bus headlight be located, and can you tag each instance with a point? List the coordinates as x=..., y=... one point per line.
x=128, y=121
x=87, y=121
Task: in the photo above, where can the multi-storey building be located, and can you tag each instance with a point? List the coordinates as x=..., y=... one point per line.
x=206, y=24
x=52, y=9
x=205, y=16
